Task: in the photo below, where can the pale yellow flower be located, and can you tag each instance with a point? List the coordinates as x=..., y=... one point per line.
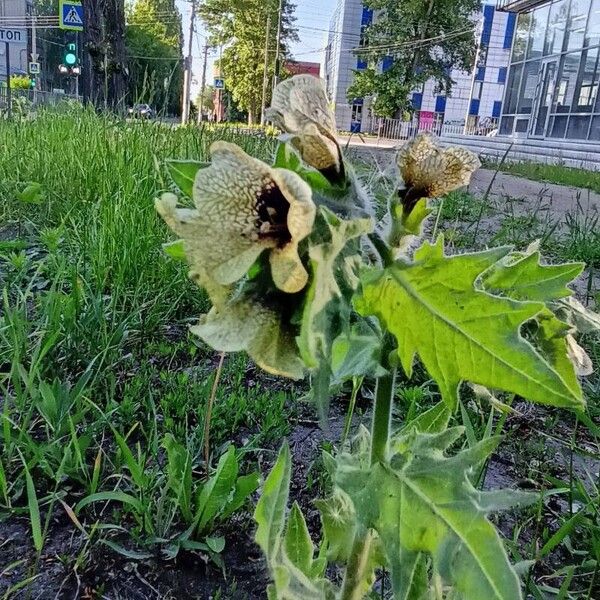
x=258, y=327
x=430, y=171
x=242, y=208
x=300, y=108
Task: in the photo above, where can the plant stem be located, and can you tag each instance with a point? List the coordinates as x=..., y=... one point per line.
x=358, y=565
x=208, y=417
x=357, y=568
x=382, y=417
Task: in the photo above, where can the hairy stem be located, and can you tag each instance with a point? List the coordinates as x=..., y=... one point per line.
x=382, y=417
x=358, y=566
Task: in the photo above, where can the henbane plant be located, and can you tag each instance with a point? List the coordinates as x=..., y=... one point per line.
x=303, y=278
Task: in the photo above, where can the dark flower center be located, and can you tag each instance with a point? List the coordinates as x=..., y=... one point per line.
x=272, y=208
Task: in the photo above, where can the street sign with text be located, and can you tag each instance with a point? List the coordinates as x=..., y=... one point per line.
x=70, y=15
x=13, y=35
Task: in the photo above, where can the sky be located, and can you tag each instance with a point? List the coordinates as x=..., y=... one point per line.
x=312, y=22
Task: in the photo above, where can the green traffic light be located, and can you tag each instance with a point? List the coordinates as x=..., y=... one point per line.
x=70, y=58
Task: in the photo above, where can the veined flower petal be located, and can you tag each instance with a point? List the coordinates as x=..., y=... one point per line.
x=300, y=108
x=242, y=208
x=430, y=171
x=247, y=324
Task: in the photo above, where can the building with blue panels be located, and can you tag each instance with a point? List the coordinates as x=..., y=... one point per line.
x=552, y=83
x=347, y=23
x=476, y=96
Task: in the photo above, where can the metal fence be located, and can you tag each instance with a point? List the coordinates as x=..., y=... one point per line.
x=34, y=97
x=399, y=129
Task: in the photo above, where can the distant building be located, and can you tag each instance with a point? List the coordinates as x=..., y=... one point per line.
x=476, y=95
x=13, y=15
x=552, y=85
x=296, y=67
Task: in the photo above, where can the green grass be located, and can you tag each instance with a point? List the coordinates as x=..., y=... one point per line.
x=96, y=367
x=559, y=174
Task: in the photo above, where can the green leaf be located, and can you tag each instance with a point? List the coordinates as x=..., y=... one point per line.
x=217, y=491
x=426, y=504
x=433, y=420
x=460, y=333
x=175, y=250
x=355, y=354
x=31, y=193
x=132, y=554
x=183, y=174
x=135, y=468
x=34, y=512
x=270, y=509
x=244, y=487
x=297, y=542
x=111, y=497
x=524, y=278
x=216, y=544
x=179, y=469
x=324, y=299
x=338, y=519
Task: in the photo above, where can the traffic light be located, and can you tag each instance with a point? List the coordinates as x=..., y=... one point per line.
x=70, y=54
x=32, y=82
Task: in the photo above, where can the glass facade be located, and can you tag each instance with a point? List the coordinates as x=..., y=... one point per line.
x=552, y=83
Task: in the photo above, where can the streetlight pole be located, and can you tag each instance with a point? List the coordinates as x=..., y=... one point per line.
x=187, y=74
x=278, y=44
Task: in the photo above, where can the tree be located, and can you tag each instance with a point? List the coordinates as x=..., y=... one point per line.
x=241, y=26
x=104, y=53
x=206, y=99
x=424, y=39
x=154, y=40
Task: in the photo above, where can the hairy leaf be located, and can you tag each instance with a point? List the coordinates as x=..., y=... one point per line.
x=183, y=173
x=524, y=278
x=217, y=490
x=460, y=333
x=270, y=509
x=425, y=503
x=297, y=543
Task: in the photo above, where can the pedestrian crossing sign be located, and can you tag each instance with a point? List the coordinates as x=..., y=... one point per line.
x=71, y=15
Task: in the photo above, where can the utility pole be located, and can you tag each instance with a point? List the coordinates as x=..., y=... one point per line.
x=265, y=73
x=8, y=87
x=34, y=52
x=278, y=44
x=203, y=85
x=187, y=74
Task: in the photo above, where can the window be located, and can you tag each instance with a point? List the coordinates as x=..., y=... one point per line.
x=593, y=31
x=480, y=74
x=417, y=101
x=577, y=24
x=557, y=22
x=502, y=75
x=567, y=83
x=531, y=74
x=537, y=33
x=440, y=104
x=474, y=107
x=506, y=125
x=587, y=84
x=512, y=88
x=522, y=35
x=578, y=128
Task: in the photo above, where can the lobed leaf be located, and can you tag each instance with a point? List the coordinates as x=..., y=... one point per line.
x=461, y=333
x=525, y=278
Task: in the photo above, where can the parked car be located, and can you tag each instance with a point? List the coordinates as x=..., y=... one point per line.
x=141, y=111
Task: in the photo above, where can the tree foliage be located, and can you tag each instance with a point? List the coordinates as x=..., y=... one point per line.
x=154, y=40
x=241, y=26
x=425, y=39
